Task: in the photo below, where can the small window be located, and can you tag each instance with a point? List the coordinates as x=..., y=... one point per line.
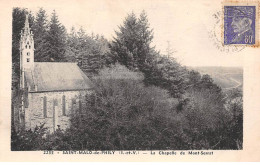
x=45, y=107
x=26, y=46
x=63, y=105
x=29, y=47
x=28, y=53
x=28, y=59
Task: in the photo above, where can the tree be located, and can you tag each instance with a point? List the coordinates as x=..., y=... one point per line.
x=91, y=51
x=40, y=29
x=131, y=46
x=144, y=40
x=234, y=105
x=194, y=78
x=124, y=45
x=56, y=40
x=71, y=49
x=167, y=74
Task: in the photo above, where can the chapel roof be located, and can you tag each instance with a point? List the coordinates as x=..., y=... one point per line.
x=56, y=76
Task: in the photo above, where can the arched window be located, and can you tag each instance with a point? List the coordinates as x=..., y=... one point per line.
x=63, y=105
x=73, y=103
x=28, y=53
x=26, y=46
x=45, y=107
x=29, y=46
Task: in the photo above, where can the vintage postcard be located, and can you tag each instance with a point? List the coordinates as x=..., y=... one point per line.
x=117, y=80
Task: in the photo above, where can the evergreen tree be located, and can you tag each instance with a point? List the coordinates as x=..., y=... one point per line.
x=93, y=52
x=124, y=46
x=56, y=40
x=132, y=44
x=40, y=29
x=90, y=51
x=76, y=44
x=144, y=39
x=71, y=49
x=132, y=48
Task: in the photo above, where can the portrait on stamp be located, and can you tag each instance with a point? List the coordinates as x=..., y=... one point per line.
x=239, y=25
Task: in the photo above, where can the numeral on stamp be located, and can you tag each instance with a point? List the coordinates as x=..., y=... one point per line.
x=240, y=24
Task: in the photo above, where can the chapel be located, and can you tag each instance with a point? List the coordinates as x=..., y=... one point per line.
x=50, y=91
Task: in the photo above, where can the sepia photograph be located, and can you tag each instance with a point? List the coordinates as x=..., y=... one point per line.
x=77, y=88
x=151, y=80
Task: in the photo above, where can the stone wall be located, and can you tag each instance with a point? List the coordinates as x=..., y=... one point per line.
x=34, y=114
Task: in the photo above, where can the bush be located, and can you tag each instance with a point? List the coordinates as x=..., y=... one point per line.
x=205, y=117
x=123, y=114
x=213, y=121
x=22, y=140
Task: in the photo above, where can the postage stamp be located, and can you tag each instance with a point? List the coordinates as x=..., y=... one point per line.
x=241, y=23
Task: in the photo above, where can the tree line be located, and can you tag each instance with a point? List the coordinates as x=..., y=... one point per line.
x=143, y=99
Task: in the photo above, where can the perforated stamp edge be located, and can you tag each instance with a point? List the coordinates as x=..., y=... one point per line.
x=242, y=3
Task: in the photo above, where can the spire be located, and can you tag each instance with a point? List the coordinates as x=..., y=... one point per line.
x=26, y=25
x=26, y=46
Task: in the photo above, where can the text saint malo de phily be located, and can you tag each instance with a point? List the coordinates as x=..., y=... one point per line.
x=51, y=91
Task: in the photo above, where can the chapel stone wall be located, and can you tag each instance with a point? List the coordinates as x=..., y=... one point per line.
x=35, y=115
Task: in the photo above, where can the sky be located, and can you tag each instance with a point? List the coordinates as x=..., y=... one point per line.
x=186, y=25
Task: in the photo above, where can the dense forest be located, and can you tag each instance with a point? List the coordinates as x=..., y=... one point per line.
x=143, y=99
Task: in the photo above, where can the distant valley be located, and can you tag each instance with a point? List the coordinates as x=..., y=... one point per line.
x=226, y=77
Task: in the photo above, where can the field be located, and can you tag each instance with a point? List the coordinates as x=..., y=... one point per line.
x=226, y=77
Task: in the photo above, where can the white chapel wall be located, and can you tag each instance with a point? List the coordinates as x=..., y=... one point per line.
x=34, y=114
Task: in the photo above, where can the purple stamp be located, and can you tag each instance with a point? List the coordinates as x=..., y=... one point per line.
x=240, y=25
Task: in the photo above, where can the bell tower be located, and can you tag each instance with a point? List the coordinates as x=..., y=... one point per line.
x=26, y=65
x=26, y=47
